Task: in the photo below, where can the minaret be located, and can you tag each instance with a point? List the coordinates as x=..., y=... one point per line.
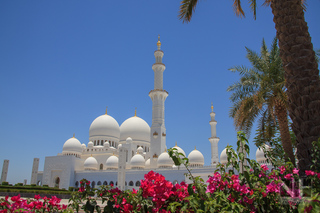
x=158, y=95
x=213, y=139
x=4, y=171
x=34, y=173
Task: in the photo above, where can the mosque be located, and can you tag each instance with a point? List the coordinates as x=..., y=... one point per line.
x=122, y=155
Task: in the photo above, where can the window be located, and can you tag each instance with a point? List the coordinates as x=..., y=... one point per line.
x=105, y=183
x=99, y=183
x=101, y=166
x=111, y=183
x=138, y=183
x=93, y=184
x=76, y=184
x=131, y=183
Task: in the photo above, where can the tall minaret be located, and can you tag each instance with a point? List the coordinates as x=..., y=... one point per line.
x=213, y=139
x=34, y=173
x=4, y=171
x=158, y=95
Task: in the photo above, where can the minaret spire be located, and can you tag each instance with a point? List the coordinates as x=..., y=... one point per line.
x=159, y=43
x=158, y=96
x=214, y=139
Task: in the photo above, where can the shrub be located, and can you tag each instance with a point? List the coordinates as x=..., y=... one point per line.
x=4, y=183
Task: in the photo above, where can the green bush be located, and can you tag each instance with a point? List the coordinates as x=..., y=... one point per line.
x=4, y=183
x=18, y=184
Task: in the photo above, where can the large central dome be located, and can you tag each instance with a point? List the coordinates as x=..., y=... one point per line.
x=136, y=128
x=104, y=125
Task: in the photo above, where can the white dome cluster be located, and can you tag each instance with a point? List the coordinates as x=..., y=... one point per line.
x=72, y=147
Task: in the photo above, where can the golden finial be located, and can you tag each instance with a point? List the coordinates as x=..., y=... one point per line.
x=159, y=43
x=165, y=150
x=106, y=110
x=195, y=147
x=73, y=135
x=176, y=144
x=211, y=106
x=135, y=112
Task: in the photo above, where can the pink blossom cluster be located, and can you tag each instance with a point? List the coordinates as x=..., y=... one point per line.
x=157, y=188
x=38, y=204
x=312, y=173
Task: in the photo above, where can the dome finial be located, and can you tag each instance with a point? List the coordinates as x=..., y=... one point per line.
x=211, y=106
x=159, y=43
x=195, y=147
x=73, y=135
x=106, y=110
x=176, y=144
x=135, y=112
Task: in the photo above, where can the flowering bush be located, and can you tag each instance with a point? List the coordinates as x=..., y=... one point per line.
x=242, y=185
x=38, y=204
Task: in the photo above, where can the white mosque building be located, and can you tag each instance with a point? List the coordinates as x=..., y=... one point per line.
x=123, y=154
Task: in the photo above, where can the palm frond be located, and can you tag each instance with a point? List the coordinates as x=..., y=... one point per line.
x=187, y=7
x=237, y=8
x=253, y=7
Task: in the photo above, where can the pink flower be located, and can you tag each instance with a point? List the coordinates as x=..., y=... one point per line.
x=318, y=175
x=295, y=171
x=264, y=167
x=288, y=176
x=309, y=172
x=282, y=169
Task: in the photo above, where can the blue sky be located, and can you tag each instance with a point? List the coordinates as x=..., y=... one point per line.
x=63, y=62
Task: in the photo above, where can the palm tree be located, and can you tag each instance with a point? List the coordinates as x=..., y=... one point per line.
x=300, y=66
x=261, y=93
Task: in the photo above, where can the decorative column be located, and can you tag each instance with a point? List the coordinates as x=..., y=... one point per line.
x=158, y=96
x=4, y=171
x=214, y=139
x=34, y=173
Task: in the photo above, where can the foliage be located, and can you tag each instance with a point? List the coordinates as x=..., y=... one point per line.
x=241, y=185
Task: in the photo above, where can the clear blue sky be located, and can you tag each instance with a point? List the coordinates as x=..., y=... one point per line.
x=63, y=62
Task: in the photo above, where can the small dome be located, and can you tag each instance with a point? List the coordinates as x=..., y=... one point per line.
x=164, y=160
x=90, y=144
x=72, y=146
x=106, y=144
x=179, y=149
x=105, y=125
x=128, y=140
x=83, y=146
x=223, y=156
x=112, y=162
x=196, y=158
x=137, y=161
x=119, y=146
x=140, y=150
x=91, y=164
x=148, y=163
x=260, y=154
x=135, y=128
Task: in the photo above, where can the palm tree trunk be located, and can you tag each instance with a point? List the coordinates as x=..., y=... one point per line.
x=281, y=113
x=301, y=74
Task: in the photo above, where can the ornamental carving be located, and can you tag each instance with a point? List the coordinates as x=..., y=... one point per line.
x=164, y=134
x=155, y=156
